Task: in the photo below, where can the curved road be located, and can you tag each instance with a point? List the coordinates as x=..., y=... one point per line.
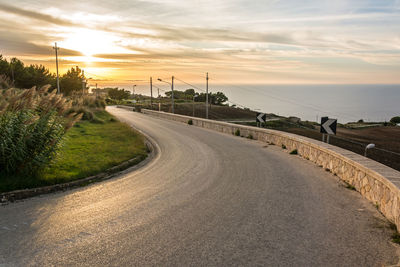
x=206, y=199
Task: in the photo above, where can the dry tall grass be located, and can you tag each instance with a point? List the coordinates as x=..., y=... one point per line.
x=32, y=125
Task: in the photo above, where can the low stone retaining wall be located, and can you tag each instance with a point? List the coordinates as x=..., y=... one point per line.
x=375, y=181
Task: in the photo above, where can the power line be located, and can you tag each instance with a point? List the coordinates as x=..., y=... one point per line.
x=287, y=100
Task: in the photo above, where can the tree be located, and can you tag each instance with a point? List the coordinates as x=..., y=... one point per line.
x=4, y=67
x=190, y=93
x=219, y=98
x=395, y=119
x=39, y=75
x=25, y=77
x=216, y=99
x=71, y=81
x=118, y=94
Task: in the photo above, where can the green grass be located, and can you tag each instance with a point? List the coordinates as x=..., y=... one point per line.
x=89, y=148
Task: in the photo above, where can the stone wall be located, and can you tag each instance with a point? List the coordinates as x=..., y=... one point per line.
x=375, y=181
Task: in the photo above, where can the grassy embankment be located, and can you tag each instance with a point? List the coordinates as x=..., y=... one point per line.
x=90, y=147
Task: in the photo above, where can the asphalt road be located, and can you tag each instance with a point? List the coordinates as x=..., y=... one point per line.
x=207, y=199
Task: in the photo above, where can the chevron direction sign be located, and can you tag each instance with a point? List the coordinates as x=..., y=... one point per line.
x=261, y=117
x=328, y=126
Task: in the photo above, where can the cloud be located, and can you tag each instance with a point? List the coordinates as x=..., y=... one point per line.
x=34, y=15
x=17, y=44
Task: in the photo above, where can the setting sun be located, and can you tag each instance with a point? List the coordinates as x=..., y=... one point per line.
x=90, y=42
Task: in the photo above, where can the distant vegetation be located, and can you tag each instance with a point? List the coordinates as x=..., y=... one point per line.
x=118, y=94
x=218, y=98
x=395, y=119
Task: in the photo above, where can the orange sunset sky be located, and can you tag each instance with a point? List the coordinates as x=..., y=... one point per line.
x=254, y=42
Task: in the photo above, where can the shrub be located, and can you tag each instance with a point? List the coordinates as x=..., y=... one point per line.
x=87, y=114
x=5, y=82
x=87, y=101
x=32, y=125
x=293, y=152
x=283, y=146
x=190, y=122
x=237, y=132
x=395, y=119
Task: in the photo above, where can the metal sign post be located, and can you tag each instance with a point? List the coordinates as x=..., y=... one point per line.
x=260, y=118
x=328, y=127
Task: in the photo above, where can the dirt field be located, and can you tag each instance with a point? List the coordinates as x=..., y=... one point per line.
x=383, y=137
x=386, y=139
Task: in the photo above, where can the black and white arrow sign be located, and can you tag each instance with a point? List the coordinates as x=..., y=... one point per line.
x=261, y=117
x=328, y=126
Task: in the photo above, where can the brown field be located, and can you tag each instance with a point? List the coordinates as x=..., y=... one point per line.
x=386, y=139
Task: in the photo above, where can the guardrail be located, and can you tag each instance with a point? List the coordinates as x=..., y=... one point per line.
x=375, y=181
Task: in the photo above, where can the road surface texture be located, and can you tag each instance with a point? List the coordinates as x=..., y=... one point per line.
x=207, y=199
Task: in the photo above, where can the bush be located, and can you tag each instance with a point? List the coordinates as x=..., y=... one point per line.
x=395, y=119
x=87, y=114
x=283, y=146
x=190, y=122
x=237, y=132
x=87, y=101
x=293, y=152
x=32, y=125
x=110, y=101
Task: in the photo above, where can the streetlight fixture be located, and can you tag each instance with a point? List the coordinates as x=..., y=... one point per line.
x=368, y=147
x=172, y=91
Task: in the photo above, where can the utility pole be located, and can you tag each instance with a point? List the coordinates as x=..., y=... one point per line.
x=58, y=79
x=172, y=88
x=151, y=93
x=207, y=96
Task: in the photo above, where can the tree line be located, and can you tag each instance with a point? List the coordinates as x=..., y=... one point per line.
x=217, y=98
x=23, y=76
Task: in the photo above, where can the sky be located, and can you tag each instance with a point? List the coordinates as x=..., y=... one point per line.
x=121, y=42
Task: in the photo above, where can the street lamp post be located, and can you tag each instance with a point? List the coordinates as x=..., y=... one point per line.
x=172, y=91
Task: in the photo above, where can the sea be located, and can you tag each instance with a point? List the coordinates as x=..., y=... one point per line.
x=347, y=103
